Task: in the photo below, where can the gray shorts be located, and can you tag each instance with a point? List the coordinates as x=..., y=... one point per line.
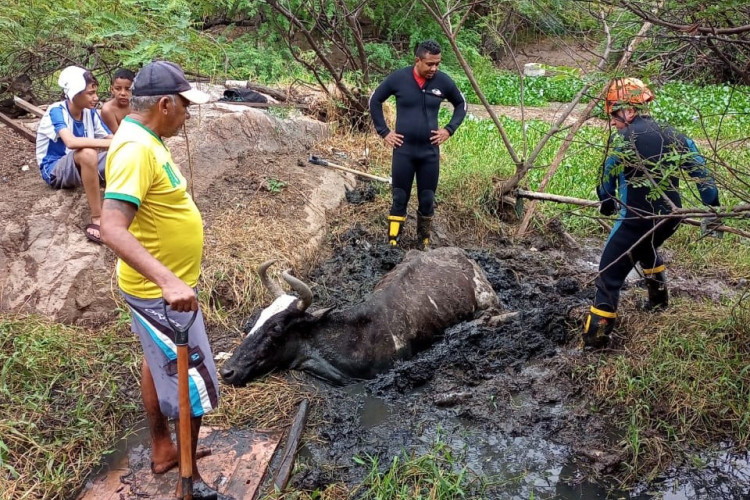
x=65, y=173
x=157, y=340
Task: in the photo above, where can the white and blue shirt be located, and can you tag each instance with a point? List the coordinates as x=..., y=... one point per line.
x=49, y=146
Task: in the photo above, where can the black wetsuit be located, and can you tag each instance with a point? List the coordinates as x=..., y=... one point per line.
x=416, y=116
x=641, y=173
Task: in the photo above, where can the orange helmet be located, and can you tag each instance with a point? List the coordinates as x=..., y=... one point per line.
x=629, y=91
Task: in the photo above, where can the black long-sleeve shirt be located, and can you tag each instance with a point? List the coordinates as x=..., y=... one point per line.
x=649, y=152
x=416, y=108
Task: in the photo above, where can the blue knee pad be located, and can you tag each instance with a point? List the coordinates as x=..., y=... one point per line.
x=400, y=200
x=426, y=202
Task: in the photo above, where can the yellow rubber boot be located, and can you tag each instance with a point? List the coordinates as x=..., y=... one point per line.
x=599, y=324
x=395, y=222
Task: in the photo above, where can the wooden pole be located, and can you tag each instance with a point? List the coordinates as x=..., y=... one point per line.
x=186, y=438
x=184, y=431
x=325, y=163
x=20, y=129
x=533, y=195
x=25, y=105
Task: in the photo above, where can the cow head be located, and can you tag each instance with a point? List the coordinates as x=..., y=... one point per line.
x=273, y=340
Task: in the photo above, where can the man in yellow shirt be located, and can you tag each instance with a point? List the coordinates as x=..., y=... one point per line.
x=155, y=228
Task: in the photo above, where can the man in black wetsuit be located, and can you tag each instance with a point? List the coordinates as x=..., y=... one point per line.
x=419, y=90
x=641, y=176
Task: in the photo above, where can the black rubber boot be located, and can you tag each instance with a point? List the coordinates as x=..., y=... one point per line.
x=395, y=222
x=599, y=324
x=656, y=284
x=424, y=226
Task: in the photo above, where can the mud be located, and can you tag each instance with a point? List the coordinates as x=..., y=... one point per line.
x=497, y=390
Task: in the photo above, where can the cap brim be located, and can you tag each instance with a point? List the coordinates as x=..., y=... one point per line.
x=195, y=96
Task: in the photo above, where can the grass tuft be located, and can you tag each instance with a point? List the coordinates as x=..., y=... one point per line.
x=63, y=403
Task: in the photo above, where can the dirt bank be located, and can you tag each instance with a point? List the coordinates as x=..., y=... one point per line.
x=236, y=156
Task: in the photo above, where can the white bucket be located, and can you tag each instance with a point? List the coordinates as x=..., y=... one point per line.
x=533, y=69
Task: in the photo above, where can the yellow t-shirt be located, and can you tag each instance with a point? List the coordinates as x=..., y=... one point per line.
x=140, y=170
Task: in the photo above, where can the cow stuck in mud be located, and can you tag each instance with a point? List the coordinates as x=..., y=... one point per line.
x=407, y=311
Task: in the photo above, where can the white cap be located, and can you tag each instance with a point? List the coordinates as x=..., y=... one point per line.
x=72, y=82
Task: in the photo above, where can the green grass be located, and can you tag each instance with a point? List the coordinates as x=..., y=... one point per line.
x=685, y=378
x=697, y=110
x=409, y=476
x=62, y=401
x=475, y=156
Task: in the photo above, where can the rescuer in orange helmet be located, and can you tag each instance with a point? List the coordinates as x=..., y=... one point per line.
x=640, y=179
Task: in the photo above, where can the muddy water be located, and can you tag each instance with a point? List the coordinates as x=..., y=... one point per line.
x=498, y=392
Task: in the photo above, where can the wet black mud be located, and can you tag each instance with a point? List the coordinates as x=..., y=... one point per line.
x=497, y=390
x=491, y=388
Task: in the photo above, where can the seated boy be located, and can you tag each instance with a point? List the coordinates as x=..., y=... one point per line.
x=117, y=108
x=71, y=142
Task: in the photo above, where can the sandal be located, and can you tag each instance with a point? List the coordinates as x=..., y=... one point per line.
x=91, y=236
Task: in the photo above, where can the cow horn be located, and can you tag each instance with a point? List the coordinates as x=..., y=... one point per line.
x=303, y=290
x=270, y=285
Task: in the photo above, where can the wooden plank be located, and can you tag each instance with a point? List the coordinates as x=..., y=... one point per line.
x=250, y=469
x=20, y=129
x=237, y=465
x=290, y=448
x=28, y=107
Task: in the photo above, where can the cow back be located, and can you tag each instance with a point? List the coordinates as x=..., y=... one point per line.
x=428, y=292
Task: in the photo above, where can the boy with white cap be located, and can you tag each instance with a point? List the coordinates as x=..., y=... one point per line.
x=71, y=142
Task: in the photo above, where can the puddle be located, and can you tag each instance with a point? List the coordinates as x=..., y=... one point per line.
x=134, y=448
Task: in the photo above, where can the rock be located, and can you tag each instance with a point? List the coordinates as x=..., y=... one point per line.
x=48, y=267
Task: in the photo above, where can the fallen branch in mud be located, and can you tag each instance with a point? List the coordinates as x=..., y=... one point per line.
x=290, y=450
x=736, y=211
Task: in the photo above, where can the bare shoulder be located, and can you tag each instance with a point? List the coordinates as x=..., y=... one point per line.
x=107, y=107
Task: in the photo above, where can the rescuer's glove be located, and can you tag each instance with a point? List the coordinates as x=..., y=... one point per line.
x=608, y=207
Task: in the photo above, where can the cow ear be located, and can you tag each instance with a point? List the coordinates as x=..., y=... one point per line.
x=321, y=313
